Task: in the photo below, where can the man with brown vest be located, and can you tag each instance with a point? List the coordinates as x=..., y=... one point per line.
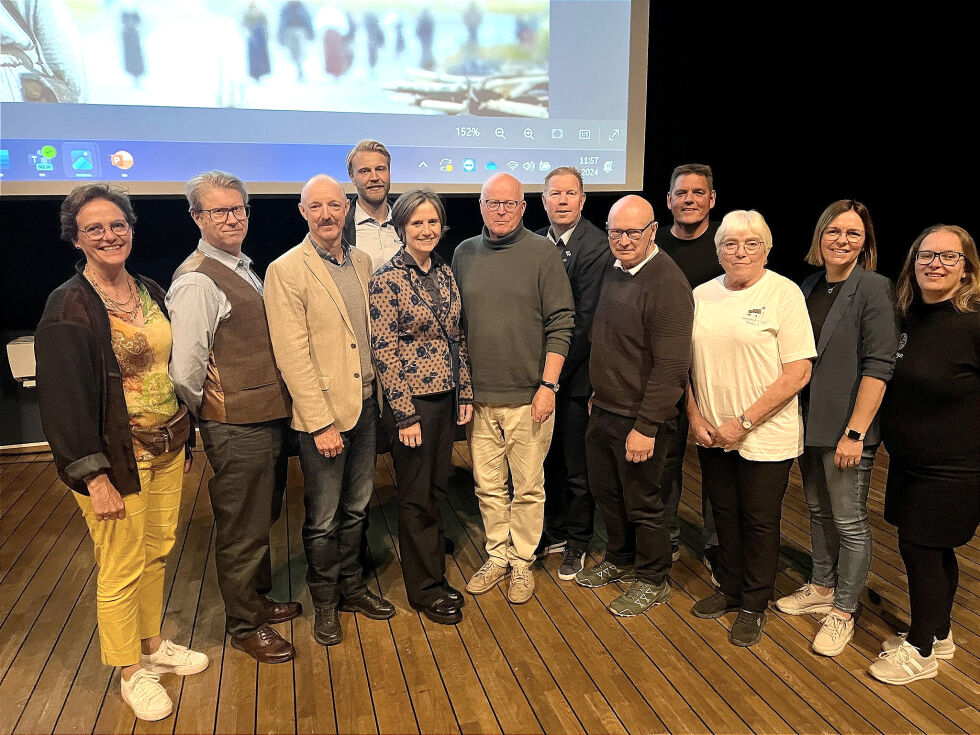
x=223, y=368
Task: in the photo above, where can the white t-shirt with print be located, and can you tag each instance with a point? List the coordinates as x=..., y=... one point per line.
x=741, y=341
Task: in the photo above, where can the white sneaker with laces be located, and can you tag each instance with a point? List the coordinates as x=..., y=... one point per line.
x=170, y=658
x=806, y=600
x=941, y=648
x=144, y=695
x=834, y=634
x=904, y=665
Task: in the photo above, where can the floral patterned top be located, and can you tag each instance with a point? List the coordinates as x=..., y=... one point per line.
x=143, y=353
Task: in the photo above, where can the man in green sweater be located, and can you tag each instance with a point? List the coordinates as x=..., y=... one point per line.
x=519, y=319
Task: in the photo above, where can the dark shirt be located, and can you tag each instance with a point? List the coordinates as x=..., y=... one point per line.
x=697, y=258
x=819, y=303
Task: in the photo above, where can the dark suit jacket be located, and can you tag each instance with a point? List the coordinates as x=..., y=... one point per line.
x=586, y=259
x=858, y=338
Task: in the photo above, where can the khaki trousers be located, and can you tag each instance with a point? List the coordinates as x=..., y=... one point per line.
x=132, y=558
x=502, y=436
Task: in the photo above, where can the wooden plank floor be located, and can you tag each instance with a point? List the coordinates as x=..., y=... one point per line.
x=559, y=664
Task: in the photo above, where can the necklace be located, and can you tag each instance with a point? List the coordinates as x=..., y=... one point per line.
x=117, y=306
x=832, y=286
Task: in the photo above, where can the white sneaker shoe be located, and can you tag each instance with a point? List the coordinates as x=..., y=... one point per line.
x=943, y=649
x=904, y=665
x=170, y=658
x=834, y=635
x=805, y=600
x=144, y=695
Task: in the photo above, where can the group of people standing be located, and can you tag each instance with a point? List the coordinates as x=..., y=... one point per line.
x=578, y=361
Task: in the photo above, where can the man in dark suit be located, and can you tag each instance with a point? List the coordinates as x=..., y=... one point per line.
x=367, y=225
x=569, y=508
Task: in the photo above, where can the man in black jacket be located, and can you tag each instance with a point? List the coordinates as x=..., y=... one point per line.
x=569, y=508
x=368, y=224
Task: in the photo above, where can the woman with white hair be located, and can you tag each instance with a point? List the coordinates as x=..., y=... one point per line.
x=752, y=351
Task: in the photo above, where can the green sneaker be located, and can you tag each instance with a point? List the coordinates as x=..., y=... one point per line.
x=603, y=573
x=639, y=598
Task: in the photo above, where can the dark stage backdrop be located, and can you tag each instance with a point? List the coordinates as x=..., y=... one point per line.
x=792, y=108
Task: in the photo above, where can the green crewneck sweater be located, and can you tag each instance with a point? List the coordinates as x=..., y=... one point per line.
x=518, y=306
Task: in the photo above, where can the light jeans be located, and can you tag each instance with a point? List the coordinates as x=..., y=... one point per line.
x=502, y=435
x=132, y=558
x=839, y=528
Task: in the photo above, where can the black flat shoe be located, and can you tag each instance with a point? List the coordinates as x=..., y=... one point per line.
x=443, y=611
x=326, y=627
x=454, y=594
x=369, y=605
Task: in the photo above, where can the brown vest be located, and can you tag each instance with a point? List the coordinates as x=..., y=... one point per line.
x=243, y=385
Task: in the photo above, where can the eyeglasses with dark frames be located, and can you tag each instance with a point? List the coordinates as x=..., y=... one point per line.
x=634, y=233
x=509, y=205
x=97, y=232
x=220, y=214
x=948, y=258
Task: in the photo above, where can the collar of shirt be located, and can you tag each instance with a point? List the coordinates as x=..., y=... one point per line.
x=225, y=258
x=434, y=262
x=361, y=217
x=566, y=236
x=636, y=268
x=323, y=253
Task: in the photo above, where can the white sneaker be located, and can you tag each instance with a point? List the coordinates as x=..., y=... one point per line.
x=170, y=658
x=805, y=600
x=904, y=665
x=834, y=634
x=943, y=649
x=144, y=695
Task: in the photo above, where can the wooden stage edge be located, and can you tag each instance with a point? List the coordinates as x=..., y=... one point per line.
x=559, y=664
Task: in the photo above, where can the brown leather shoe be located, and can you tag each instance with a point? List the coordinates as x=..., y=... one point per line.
x=265, y=646
x=281, y=612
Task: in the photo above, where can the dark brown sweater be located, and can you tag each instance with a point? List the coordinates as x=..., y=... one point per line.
x=641, y=343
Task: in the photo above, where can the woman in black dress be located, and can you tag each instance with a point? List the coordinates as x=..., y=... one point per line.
x=931, y=428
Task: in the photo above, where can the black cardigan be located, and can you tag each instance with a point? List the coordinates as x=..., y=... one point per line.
x=79, y=383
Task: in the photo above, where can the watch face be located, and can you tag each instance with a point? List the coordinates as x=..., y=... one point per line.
x=746, y=424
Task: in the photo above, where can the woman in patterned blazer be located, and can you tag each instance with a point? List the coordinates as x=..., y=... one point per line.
x=420, y=356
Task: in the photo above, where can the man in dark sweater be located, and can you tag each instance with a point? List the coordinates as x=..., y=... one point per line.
x=519, y=319
x=641, y=346
x=569, y=509
x=690, y=241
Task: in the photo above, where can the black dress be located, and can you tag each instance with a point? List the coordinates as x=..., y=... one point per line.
x=930, y=421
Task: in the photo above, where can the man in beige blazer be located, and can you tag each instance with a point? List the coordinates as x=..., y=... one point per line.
x=317, y=306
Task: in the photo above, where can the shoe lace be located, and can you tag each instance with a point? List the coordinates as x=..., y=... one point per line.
x=902, y=654
x=520, y=573
x=486, y=570
x=638, y=593
x=146, y=686
x=570, y=554
x=174, y=651
x=834, y=626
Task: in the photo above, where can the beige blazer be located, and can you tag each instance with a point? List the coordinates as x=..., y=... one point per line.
x=312, y=337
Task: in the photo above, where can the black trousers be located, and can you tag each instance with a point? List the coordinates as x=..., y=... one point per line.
x=674, y=479
x=290, y=447
x=933, y=577
x=569, y=509
x=747, y=498
x=422, y=474
x=630, y=495
x=243, y=458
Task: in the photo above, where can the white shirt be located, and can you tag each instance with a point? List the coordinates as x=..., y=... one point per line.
x=636, y=268
x=377, y=239
x=740, y=342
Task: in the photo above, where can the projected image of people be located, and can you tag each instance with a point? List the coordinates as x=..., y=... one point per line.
x=483, y=57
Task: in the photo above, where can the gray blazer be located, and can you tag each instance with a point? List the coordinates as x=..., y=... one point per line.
x=859, y=338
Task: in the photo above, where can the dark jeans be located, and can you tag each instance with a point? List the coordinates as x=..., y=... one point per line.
x=933, y=578
x=290, y=447
x=630, y=495
x=423, y=479
x=338, y=490
x=674, y=479
x=569, y=510
x=747, y=499
x=243, y=458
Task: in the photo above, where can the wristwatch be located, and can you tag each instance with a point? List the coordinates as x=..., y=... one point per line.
x=746, y=423
x=853, y=435
x=551, y=386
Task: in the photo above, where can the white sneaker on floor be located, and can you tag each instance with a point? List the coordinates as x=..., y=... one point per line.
x=834, y=634
x=944, y=649
x=904, y=665
x=144, y=695
x=805, y=600
x=170, y=658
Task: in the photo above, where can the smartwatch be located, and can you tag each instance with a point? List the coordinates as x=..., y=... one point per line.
x=746, y=423
x=551, y=386
x=853, y=435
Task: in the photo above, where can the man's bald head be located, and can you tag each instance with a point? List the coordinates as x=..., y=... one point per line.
x=631, y=215
x=633, y=207
x=323, y=204
x=502, y=204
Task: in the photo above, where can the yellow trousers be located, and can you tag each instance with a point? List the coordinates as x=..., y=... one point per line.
x=132, y=557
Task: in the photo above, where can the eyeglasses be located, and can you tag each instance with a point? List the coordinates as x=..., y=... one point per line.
x=220, y=214
x=853, y=236
x=750, y=246
x=97, y=232
x=633, y=234
x=509, y=205
x=949, y=258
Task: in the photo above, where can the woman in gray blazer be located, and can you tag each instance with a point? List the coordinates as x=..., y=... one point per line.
x=852, y=310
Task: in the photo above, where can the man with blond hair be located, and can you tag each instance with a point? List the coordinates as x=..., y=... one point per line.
x=367, y=225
